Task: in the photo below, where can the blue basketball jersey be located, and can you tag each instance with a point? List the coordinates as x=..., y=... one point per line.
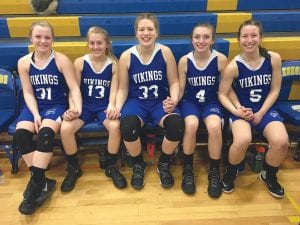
x=253, y=85
x=95, y=85
x=148, y=81
x=48, y=83
x=202, y=83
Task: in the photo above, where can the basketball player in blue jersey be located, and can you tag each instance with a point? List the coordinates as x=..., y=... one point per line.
x=199, y=73
x=96, y=73
x=256, y=76
x=148, y=93
x=46, y=77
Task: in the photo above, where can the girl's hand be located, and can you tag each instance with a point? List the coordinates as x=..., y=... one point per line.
x=257, y=117
x=71, y=114
x=245, y=113
x=37, y=123
x=169, y=105
x=112, y=113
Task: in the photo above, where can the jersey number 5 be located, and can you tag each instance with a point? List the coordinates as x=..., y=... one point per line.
x=255, y=95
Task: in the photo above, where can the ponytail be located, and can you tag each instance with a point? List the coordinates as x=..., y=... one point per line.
x=264, y=52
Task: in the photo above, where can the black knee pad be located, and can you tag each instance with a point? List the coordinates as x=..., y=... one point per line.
x=45, y=139
x=174, y=126
x=130, y=128
x=23, y=141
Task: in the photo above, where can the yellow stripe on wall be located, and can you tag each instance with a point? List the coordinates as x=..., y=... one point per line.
x=73, y=49
x=219, y=5
x=59, y=23
x=287, y=47
x=295, y=92
x=230, y=22
x=15, y=7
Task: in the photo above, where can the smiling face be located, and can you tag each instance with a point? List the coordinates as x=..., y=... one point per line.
x=146, y=32
x=97, y=44
x=42, y=38
x=202, y=38
x=250, y=38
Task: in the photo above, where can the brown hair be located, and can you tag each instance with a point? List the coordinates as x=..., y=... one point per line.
x=262, y=51
x=148, y=16
x=207, y=25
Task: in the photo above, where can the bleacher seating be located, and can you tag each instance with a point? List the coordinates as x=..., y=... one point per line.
x=280, y=20
x=7, y=98
x=289, y=100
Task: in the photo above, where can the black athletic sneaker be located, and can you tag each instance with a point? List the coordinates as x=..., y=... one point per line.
x=25, y=193
x=39, y=196
x=214, y=189
x=137, y=179
x=118, y=179
x=28, y=205
x=69, y=182
x=165, y=176
x=272, y=184
x=227, y=187
x=46, y=191
x=188, y=181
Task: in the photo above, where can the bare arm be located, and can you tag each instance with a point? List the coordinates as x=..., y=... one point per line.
x=29, y=97
x=275, y=87
x=67, y=68
x=111, y=112
x=170, y=103
x=182, y=70
x=123, y=80
x=225, y=88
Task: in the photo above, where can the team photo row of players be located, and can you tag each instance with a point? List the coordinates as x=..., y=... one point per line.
x=146, y=86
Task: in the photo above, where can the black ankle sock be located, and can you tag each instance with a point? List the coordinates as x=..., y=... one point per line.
x=165, y=158
x=38, y=175
x=231, y=172
x=188, y=159
x=112, y=159
x=137, y=159
x=271, y=171
x=214, y=163
x=73, y=160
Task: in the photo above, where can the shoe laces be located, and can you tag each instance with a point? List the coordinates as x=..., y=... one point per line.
x=138, y=171
x=214, y=178
x=115, y=174
x=188, y=175
x=164, y=169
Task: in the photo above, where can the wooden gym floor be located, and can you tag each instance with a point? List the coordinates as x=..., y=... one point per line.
x=95, y=200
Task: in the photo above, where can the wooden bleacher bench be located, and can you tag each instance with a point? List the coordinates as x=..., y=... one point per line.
x=280, y=21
